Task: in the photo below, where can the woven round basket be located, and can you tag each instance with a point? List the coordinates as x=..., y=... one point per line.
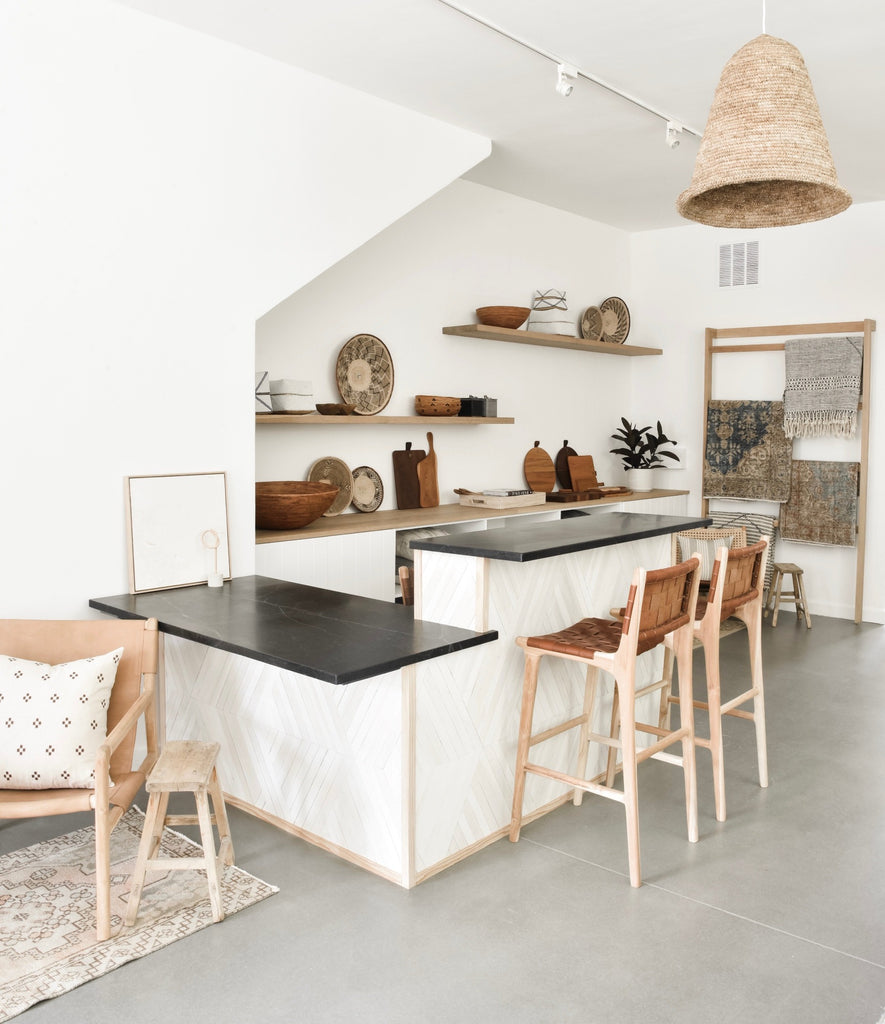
x=764, y=160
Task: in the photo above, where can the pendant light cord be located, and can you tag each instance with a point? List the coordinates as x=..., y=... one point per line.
x=763, y=17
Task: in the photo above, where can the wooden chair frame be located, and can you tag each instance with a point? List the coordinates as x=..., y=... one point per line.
x=133, y=698
x=636, y=637
x=735, y=589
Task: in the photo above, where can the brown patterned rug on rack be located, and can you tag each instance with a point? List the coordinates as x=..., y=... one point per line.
x=823, y=503
x=748, y=455
x=47, y=910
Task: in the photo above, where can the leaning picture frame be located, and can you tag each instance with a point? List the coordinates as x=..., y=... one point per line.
x=177, y=530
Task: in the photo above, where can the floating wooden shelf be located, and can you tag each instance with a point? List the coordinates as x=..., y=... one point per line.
x=365, y=421
x=550, y=340
x=407, y=519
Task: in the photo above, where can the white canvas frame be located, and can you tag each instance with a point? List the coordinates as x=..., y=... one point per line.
x=166, y=518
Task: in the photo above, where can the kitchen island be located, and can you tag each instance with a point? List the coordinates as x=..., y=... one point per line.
x=386, y=739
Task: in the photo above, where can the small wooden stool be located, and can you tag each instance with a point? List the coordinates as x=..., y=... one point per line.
x=184, y=766
x=796, y=595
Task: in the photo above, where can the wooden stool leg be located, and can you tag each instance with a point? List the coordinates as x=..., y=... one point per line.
x=666, y=691
x=226, y=846
x=631, y=785
x=799, y=585
x=529, y=689
x=714, y=705
x=211, y=861
x=611, y=762
x=754, y=632
x=583, y=741
x=777, y=583
x=685, y=646
x=147, y=849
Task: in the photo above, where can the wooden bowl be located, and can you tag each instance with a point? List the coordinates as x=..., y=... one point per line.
x=503, y=316
x=288, y=504
x=437, y=405
x=334, y=409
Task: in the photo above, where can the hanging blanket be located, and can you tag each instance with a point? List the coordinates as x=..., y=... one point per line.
x=823, y=503
x=823, y=386
x=747, y=454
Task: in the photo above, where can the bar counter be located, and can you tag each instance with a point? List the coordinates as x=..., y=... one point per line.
x=406, y=765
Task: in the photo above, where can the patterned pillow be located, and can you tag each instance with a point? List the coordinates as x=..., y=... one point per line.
x=705, y=548
x=53, y=719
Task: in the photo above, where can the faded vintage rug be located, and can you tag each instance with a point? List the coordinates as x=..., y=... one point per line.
x=822, y=386
x=823, y=503
x=748, y=455
x=47, y=910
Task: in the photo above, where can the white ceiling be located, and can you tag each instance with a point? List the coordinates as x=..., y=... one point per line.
x=592, y=153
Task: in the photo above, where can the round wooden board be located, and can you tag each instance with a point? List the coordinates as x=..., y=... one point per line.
x=562, y=471
x=540, y=474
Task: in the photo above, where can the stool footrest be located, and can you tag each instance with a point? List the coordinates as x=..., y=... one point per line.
x=186, y=819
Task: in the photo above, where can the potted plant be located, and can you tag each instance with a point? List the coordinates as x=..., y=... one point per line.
x=641, y=450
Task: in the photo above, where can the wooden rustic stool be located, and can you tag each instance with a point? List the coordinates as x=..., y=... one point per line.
x=796, y=595
x=184, y=766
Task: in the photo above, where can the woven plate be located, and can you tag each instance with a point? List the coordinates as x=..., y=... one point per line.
x=330, y=470
x=615, y=320
x=591, y=324
x=364, y=374
x=368, y=491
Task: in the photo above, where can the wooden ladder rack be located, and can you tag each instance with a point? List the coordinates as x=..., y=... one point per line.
x=864, y=327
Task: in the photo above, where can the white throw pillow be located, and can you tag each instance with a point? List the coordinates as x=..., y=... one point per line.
x=53, y=719
x=705, y=548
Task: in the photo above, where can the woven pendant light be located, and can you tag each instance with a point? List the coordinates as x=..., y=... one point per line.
x=764, y=160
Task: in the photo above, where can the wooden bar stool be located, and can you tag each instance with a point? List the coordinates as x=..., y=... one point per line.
x=184, y=766
x=796, y=595
x=660, y=609
x=735, y=589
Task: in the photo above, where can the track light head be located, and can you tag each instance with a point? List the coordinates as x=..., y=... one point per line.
x=674, y=134
x=566, y=76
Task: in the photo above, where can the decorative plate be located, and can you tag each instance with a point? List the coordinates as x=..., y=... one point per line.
x=368, y=491
x=591, y=324
x=615, y=320
x=330, y=470
x=364, y=374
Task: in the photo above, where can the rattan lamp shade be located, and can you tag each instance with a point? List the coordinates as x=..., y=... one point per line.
x=764, y=160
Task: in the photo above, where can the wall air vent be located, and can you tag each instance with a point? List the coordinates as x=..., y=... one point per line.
x=738, y=264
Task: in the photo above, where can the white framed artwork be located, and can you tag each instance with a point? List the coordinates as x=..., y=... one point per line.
x=177, y=530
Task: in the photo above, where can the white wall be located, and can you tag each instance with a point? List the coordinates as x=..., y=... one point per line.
x=160, y=190
x=830, y=271
x=466, y=247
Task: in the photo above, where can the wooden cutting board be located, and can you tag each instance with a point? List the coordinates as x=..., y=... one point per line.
x=582, y=472
x=428, y=485
x=561, y=464
x=405, y=476
x=538, y=468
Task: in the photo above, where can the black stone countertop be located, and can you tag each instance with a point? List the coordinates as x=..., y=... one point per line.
x=338, y=638
x=544, y=540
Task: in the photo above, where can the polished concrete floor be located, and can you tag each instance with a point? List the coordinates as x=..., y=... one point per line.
x=777, y=915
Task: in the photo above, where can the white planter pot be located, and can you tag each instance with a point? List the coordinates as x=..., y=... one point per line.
x=639, y=479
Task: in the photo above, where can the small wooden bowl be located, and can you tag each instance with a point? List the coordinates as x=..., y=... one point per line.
x=288, y=504
x=334, y=409
x=503, y=316
x=437, y=405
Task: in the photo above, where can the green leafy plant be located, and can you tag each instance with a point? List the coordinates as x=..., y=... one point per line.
x=656, y=451
x=641, y=447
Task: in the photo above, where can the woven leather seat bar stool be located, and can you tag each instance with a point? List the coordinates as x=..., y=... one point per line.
x=660, y=609
x=735, y=589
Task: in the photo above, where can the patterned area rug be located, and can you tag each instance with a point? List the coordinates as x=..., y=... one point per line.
x=823, y=503
x=748, y=454
x=47, y=910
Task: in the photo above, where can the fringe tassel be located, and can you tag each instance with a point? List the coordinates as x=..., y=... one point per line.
x=820, y=423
